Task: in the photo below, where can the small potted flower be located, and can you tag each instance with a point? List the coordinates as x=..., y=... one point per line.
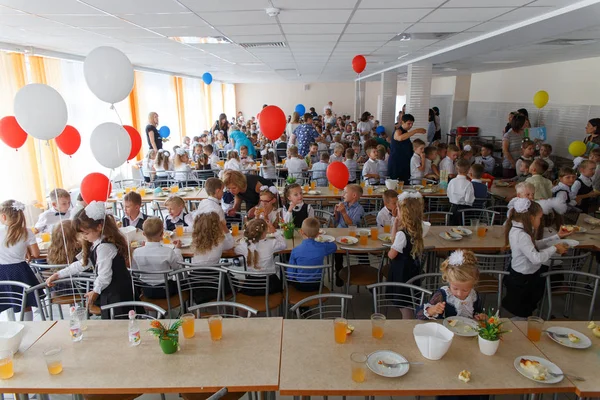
x=490, y=333
x=290, y=180
x=168, y=338
x=288, y=229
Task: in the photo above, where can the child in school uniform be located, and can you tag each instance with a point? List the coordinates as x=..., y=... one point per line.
x=313, y=153
x=214, y=188
x=233, y=161
x=177, y=215
x=180, y=162
x=447, y=163
x=268, y=170
x=542, y=185
x=595, y=157
x=461, y=193
x=583, y=189
x=80, y=204
x=267, y=208
x=524, y=190
x=407, y=248
x=430, y=156
x=486, y=158
x=245, y=158
x=295, y=165
x=132, y=203
x=524, y=285
x=417, y=162
x=527, y=153
x=320, y=170
x=198, y=153
x=213, y=159
x=106, y=251
x=162, y=164
x=458, y=297
x=480, y=189
x=17, y=245
x=297, y=210
x=522, y=172
x=370, y=172
x=351, y=164
x=259, y=250
x=382, y=163
x=338, y=153
x=60, y=210
x=57, y=253
x=566, y=177
x=147, y=165
x=545, y=152
x=390, y=206
x=154, y=257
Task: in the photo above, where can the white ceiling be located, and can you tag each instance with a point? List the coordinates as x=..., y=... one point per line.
x=322, y=36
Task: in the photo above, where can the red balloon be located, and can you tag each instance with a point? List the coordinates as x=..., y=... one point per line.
x=272, y=122
x=338, y=174
x=359, y=63
x=11, y=132
x=95, y=186
x=136, y=141
x=69, y=140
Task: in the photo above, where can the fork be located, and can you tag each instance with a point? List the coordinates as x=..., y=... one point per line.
x=575, y=378
x=558, y=335
x=393, y=365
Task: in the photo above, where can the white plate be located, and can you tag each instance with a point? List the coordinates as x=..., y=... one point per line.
x=380, y=190
x=187, y=189
x=385, y=238
x=389, y=357
x=464, y=326
x=325, y=239
x=367, y=231
x=568, y=242
x=418, y=187
x=322, y=231
x=351, y=240
x=314, y=192
x=502, y=184
x=162, y=194
x=549, y=366
x=428, y=190
x=584, y=341
x=455, y=236
x=186, y=242
x=170, y=233
x=581, y=229
x=464, y=231
x=592, y=221
x=43, y=246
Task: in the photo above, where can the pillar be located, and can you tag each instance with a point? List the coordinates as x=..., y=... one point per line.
x=359, y=98
x=460, y=102
x=389, y=89
x=418, y=94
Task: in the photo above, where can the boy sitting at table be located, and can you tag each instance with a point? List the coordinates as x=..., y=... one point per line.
x=348, y=213
x=154, y=257
x=351, y=164
x=370, y=172
x=213, y=159
x=480, y=189
x=294, y=164
x=245, y=158
x=319, y=170
x=390, y=206
x=542, y=185
x=460, y=191
x=214, y=188
x=447, y=164
x=61, y=203
x=308, y=253
x=132, y=204
x=431, y=154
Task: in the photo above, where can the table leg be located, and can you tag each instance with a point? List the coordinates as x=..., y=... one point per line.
x=22, y=396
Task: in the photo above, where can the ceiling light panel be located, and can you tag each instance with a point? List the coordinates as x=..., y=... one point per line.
x=465, y=14
x=165, y=20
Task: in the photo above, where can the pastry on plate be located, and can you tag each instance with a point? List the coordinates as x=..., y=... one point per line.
x=459, y=231
x=573, y=338
x=537, y=370
x=452, y=322
x=464, y=376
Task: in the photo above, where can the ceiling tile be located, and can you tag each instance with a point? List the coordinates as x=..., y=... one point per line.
x=50, y=7
x=366, y=37
x=124, y=33
x=257, y=38
x=249, y=29
x=300, y=29
x=165, y=20
x=465, y=14
x=237, y=18
x=314, y=4
x=383, y=16
x=480, y=3
x=376, y=28
x=400, y=3
x=523, y=13
x=442, y=27
x=228, y=5
x=26, y=21
x=312, y=38
x=489, y=26
x=322, y=16
x=186, y=31
x=137, y=6
x=93, y=21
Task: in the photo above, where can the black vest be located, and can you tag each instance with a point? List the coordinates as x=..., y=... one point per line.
x=585, y=204
x=299, y=216
x=171, y=226
x=139, y=224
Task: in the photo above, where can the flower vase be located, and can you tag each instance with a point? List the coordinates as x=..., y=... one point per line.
x=488, y=347
x=288, y=233
x=168, y=346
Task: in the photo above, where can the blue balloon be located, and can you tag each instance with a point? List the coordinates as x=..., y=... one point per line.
x=207, y=78
x=164, y=132
x=380, y=129
x=300, y=109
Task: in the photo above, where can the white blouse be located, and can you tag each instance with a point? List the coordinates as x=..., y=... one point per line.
x=265, y=249
x=213, y=256
x=17, y=252
x=288, y=216
x=525, y=258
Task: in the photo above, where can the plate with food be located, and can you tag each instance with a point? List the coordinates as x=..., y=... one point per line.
x=167, y=234
x=346, y=240
x=502, y=184
x=186, y=242
x=43, y=246
x=449, y=235
x=187, y=189
x=314, y=192
x=461, y=326
x=385, y=238
x=380, y=189
x=573, y=228
x=418, y=187
x=568, y=242
x=325, y=239
x=538, y=369
x=568, y=337
x=322, y=231
x=384, y=363
x=429, y=190
x=592, y=221
x=161, y=194
x=135, y=244
x=363, y=231
x=462, y=231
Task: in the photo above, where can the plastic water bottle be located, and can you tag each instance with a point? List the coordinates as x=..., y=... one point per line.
x=75, y=326
x=134, y=330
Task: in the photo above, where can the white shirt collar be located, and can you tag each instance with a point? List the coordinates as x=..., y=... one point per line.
x=476, y=180
x=298, y=207
x=97, y=242
x=134, y=220
x=461, y=177
x=214, y=199
x=178, y=218
x=464, y=308
x=586, y=180
x=153, y=244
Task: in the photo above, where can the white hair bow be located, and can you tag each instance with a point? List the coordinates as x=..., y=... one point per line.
x=18, y=206
x=96, y=210
x=409, y=195
x=271, y=189
x=467, y=148
x=522, y=205
x=180, y=151
x=456, y=258
x=553, y=205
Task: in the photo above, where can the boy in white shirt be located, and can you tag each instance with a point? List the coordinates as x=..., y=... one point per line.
x=447, y=164
x=417, y=162
x=370, y=171
x=566, y=177
x=460, y=191
x=351, y=164
x=338, y=153
x=295, y=165
x=214, y=188
x=487, y=159
x=154, y=257
x=320, y=170
x=430, y=155
x=61, y=203
x=212, y=157
x=313, y=153
x=390, y=207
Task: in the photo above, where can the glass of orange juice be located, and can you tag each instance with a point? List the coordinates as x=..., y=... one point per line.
x=352, y=231
x=142, y=192
x=423, y=182
x=187, y=326
x=377, y=324
x=119, y=195
x=387, y=228
x=359, y=367
x=363, y=238
x=330, y=186
x=305, y=188
x=45, y=237
x=134, y=189
x=6, y=364
x=235, y=229
x=179, y=230
x=215, y=324
x=313, y=185
x=336, y=191
x=127, y=189
x=481, y=230
x=400, y=185
x=362, y=184
x=534, y=328
x=374, y=233
x=174, y=189
x=53, y=357
x=340, y=326
x=166, y=239
x=370, y=190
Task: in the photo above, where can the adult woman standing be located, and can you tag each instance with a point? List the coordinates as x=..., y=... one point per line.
x=511, y=145
x=245, y=188
x=221, y=125
x=293, y=124
x=240, y=139
x=152, y=135
x=593, y=139
x=329, y=117
x=431, y=129
x=402, y=149
x=365, y=125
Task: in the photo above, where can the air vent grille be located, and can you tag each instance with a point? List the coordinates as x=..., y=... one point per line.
x=261, y=45
x=423, y=36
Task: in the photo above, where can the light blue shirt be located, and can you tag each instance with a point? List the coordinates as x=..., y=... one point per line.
x=354, y=211
x=320, y=173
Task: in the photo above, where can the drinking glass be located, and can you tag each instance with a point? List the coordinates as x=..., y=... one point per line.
x=235, y=229
x=119, y=195
x=423, y=182
x=358, y=362
x=134, y=189
x=339, y=330
x=377, y=324
x=174, y=189
x=179, y=230
x=352, y=230
x=6, y=364
x=53, y=357
x=142, y=192
x=481, y=230
x=474, y=223
x=370, y=190
x=81, y=314
x=45, y=237
x=534, y=328
x=127, y=189
x=336, y=191
x=374, y=233
x=363, y=238
x=188, y=326
x=387, y=228
x=362, y=184
x=215, y=324
x=305, y=188
x=330, y=186
x=400, y=185
x=166, y=240
x=313, y=185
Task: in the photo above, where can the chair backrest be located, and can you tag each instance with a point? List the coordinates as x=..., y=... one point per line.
x=570, y=283
x=206, y=280
x=490, y=282
x=438, y=218
x=430, y=281
x=495, y=262
x=325, y=218
x=373, y=257
x=480, y=203
x=481, y=214
x=123, y=183
x=152, y=280
x=249, y=281
x=437, y=203
x=238, y=218
x=66, y=291
x=221, y=307
x=502, y=215
x=302, y=274
x=370, y=219
x=325, y=307
x=395, y=295
x=14, y=295
x=570, y=263
x=44, y=271
x=134, y=305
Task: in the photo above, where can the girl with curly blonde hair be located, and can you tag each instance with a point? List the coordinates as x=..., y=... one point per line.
x=57, y=253
x=209, y=239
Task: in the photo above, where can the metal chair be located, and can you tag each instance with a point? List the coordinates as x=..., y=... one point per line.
x=14, y=295
x=438, y=218
x=198, y=283
x=314, y=307
x=221, y=306
x=155, y=280
x=44, y=271
x=296, y=275
x=243, y=282
x=64, y=292
x=325, y=218
x=502, y=215
x=430, y=281
x=123, y=183
x=494, y=262
x=490, y=282
x=364, y=268
x=389, y=295
x=369, y=219
x=481, y=214
x=570, y=263
x=437, y=203
x=135, y=305
x=570, y=284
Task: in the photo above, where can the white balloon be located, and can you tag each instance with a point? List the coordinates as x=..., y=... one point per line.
x=109, y=74
x=41, y=111
x=110, y=144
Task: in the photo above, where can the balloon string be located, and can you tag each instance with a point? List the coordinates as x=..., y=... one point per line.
x=62, y=228
x=112, y=107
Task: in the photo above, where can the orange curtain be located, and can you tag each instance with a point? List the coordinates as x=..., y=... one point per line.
x=178, y=82
x=135, y=118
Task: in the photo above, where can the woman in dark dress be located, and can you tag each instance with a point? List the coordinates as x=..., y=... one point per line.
x=152, y=135
x=221, y=125
x=245, y=188
x=593, y=139
x=402, y=149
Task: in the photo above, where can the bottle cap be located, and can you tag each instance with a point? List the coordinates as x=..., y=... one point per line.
x=131, y=314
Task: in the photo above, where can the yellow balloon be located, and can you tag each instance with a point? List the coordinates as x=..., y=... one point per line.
x=540, y=99
x=577, y=148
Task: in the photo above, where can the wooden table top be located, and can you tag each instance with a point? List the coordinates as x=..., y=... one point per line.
x=33, y=332
x=313, y=364
x=193, y=195
x=505, y=193
x=579, y=362
x=493, y=240
x=246, y=359
x=327, y=193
